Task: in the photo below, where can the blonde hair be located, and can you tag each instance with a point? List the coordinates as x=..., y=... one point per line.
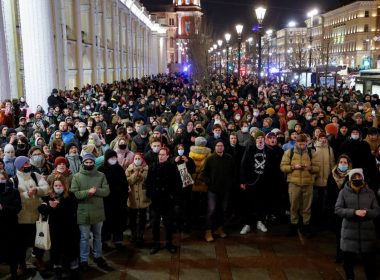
x=63, y=181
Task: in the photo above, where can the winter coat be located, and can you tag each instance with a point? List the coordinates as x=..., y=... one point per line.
x=9, y=166
x=324, y=156
x=11, y=203
x=137, y=198
x=64, y=230
x=74, y=163
x=243, y=138
x=252, y=166
x=218, y=172
x=124, y=158
x=29, y=213
x=115, y=204
x=358, y=234
x=199, y=155
x=68, y=176
x=299, y=177
x=90, y=208
x=273, y=177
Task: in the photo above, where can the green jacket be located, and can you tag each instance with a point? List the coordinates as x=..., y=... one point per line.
x=218, y=172
x=90, y=208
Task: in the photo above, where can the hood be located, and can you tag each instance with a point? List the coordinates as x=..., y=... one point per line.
x=200, y=150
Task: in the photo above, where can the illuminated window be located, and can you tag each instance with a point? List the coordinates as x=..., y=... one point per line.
x=187, y=26
x=366, y=14
x=187, y=2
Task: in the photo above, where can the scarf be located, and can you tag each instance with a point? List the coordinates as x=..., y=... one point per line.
x=74, y=163
x=339, y=176
x=66, y=173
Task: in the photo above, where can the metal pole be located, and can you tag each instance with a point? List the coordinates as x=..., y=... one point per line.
x=220, y=65
x=239, y=51
x=215, y=57
x=259, y=66
x=227, y=66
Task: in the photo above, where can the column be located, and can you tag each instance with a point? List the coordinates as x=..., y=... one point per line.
x=79, y=45
x=5, y=86
x=105, y=51
x=38, y=50
x=94, y=26
x=115, y=28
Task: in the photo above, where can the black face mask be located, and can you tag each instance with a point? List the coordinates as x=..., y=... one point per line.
x=122, y=147
x=199, y=130
x=27, y=169
x=21, y=146
x=88, y=167
x=357, y=182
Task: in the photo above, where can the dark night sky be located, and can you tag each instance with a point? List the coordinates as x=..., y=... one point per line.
x=225, y=14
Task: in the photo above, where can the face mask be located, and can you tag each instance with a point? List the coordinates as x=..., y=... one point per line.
x=112, y=161
x=237, y=118
x=122, y=146
x=199, y=130
x=255, y=114
x=27, y=169
x=88, y=167
x=216, y=135
x=58, y=191
x=309, y=117
x=357, y=182
x=137, y=162
x=342, y=167
x=155, y=150
x=143, y=135
x=82, y=130
x=21, y=146
x=37, y=159
x=244, y=129
x=130, y=131
x=91, y=141
x=3, y=181
x=360, y=108
x=180, y=152
x=354, y=136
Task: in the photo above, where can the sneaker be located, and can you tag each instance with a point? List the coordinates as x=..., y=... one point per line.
x=219, y=231
x=261, y=226
x=245, y=230
x=101, y=262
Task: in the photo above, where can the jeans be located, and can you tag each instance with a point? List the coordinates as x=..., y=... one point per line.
x=85, y=230
x=217, y=206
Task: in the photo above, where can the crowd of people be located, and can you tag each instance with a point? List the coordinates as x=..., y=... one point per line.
x=168, y=149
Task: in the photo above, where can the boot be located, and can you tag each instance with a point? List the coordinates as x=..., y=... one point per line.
x=140, y=240
x=219, y=231
x=208, y=236
x=133, y=236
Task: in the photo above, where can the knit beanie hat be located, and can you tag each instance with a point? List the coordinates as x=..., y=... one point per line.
x=59, y=160
x=143, y=129
x=20, y=161
x=88, y=157
x=354, y=171
x=259, y=133
x=200, y=141
x=269, y=121
x=292, y=124
x=9, y=148
x=270, y=111
x=331, y=129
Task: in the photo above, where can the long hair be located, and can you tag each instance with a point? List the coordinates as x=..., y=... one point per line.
x=63, y=181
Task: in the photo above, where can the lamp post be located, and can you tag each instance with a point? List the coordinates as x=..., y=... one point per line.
x=260, y=14
x=239, y=30
x=227, y=36
x=220, y=43
x=269, y=34
x=215, y=46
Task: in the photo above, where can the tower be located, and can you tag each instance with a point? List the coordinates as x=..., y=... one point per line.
x=189, y=16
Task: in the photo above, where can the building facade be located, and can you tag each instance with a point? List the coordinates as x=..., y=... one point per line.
x=69, y=43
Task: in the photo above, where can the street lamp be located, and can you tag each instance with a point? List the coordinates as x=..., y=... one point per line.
x=269, y=33
x=215, y=47
x=260, y=14
x=220, y=43
x=227, y=36
x=239, y=30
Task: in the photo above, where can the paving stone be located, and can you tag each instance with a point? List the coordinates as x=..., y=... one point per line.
x=250, y=273
x=242, y=250
x=199, y=274
x=302, y=274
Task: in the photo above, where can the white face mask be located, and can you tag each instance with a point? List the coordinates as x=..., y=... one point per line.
x=112, y=161
x=255, y=114
x=137, y=162
x=82, y=130
x=156, y=149
x=180, y=152
x=244, y=129
x=354, y=136
x=58, y=191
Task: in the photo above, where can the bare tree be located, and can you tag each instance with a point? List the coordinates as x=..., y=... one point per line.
x=198, y=46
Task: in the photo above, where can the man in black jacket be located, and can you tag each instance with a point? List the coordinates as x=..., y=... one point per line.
x=162, y=183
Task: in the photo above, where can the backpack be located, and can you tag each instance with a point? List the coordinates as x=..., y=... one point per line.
x=308, y=152
x=14, y=180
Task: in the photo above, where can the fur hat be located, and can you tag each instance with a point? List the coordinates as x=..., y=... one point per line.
x=20, y=162
x=354, y=171
x=200, y=141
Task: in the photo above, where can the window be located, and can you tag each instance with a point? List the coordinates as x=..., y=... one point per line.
x=172, y=57
x=171, y=42
x=365, y=27
x=366, y=14
x=171, y=21
x=187, y=26
x=187, y=2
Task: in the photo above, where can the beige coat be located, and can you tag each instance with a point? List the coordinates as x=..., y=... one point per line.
x=324, y=156
x=137, y=198
x=299, y=177
x=29, y=213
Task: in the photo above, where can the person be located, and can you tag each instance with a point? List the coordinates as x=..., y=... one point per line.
x=9, y=159
x=115, y=204
x=138, y=202
x=90, y=187
x=335, y=183
x=218, y=172
x=357, y=206
x=38, y=161
x=10, y=206
x=252, y=183
x=73, y=158
x=32, y=186
x=162, y=188
x=61, y=208
x=299, y=165
x=124, y=155
x=60, y=165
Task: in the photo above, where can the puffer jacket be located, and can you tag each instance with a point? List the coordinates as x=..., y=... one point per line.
x=324, y=156
x=199, y=155
x=90, y=208
x=29, y=213
x=137, y=198
x=299, y=177
x=358, y=234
